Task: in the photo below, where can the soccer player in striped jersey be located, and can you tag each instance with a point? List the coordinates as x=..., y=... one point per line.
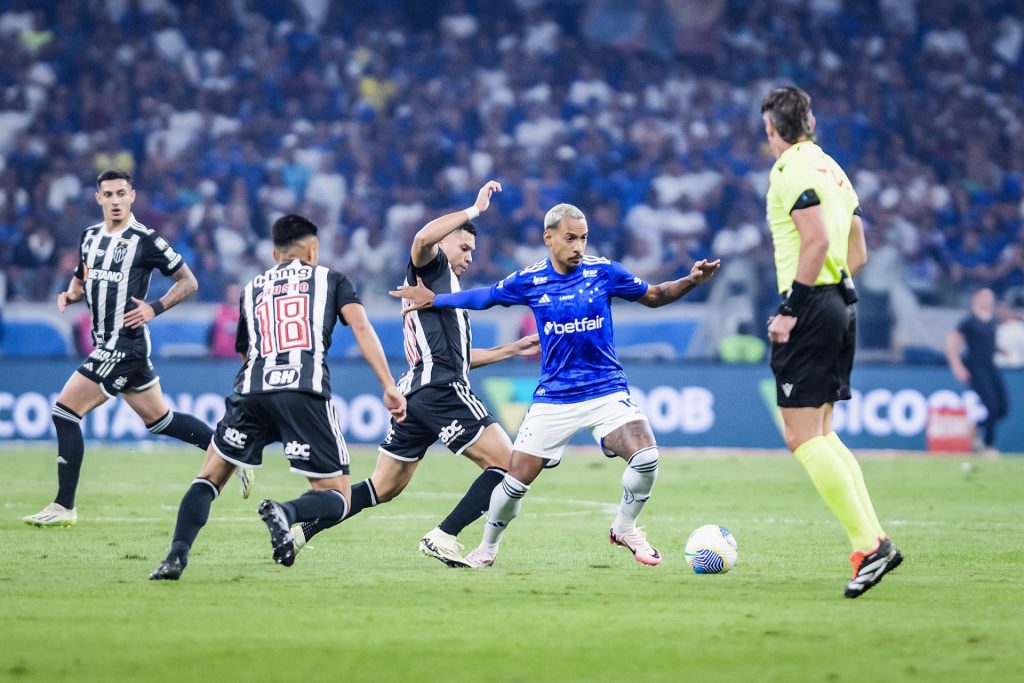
x=439, y=348
x=283, y=393
x=582, y=385
x=116, y=261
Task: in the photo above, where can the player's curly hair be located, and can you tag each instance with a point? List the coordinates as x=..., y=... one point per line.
x=559, y=211
x=789, y=109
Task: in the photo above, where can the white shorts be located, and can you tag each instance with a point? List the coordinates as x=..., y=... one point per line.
x=548, y=427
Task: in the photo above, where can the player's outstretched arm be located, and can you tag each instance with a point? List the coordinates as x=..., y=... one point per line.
x=373, y=352
x=954, y=343
x=74, y=294
x=424, y=244
x=527, y=346
x=667, y=292
x=184, y=286
x=418, y=297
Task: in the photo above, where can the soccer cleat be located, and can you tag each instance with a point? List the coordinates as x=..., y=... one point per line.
x=280, y=537
x=53, y=514
x=444, y=547
x=636, y=542
x=247, y=480
x=870, y=567
x=478, y=559
x=169, y=570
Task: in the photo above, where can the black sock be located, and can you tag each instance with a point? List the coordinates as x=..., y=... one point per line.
x=363, y=496
x=184, y=427
x=312, y=505
x=70, y=451
x=474, y=503
x=193, y=512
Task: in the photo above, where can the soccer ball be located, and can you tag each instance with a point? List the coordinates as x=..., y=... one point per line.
x=711, y=549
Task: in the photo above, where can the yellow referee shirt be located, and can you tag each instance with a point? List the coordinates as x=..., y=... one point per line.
x=802, y=167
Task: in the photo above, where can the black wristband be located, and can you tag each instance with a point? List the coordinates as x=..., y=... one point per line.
x=795, y=300
x=158, y=307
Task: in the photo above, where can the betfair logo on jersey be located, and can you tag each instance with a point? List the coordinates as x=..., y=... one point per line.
x=280, y=376
x=451, y=432
x=234, y=438
x=574, y=326
x=106, y=275
x=293, y=450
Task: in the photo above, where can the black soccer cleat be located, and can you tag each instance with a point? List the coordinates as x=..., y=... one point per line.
x=280, y=535
x=869, y=568
x=169, y=570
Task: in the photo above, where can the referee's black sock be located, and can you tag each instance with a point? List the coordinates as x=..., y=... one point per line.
x=312, y=505
x=70, y=451
x=474, y=503
x=184, y=427
x=193, y=512
x=363, y=496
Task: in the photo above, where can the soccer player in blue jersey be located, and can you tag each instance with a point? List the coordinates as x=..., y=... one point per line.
x=582, y=385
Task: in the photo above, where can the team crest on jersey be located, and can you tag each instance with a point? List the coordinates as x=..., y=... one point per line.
x=120, y=251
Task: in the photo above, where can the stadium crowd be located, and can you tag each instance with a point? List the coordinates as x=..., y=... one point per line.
x=370, y=116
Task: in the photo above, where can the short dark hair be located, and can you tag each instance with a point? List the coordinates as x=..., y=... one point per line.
x=289, y=228
x=469, y=227
x=113, y=174
x=789, y=108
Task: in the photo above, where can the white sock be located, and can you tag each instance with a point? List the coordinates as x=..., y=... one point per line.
x=637, y=482
x=506, y=499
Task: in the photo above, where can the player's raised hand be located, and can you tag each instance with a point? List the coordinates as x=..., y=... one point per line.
x=395, y=402
x=414, y=298
x=483, y=197
x=140, y=315
x=703, y=270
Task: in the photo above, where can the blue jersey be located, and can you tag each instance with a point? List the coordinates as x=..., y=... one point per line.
x=574, y=320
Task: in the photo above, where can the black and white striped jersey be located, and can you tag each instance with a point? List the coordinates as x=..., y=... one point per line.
x=437, y=340
x=114, y=267
x=287, y=316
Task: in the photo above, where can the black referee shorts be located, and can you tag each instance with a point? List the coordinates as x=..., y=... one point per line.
x=305, y=423
x=813, y=368
x=451, y=413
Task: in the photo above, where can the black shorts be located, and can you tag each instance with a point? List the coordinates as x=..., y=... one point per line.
x=451, y=413
x=813, y=368
x=306, y=424
x=115, y=373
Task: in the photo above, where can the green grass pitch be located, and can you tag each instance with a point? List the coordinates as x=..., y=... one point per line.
x=560, y=604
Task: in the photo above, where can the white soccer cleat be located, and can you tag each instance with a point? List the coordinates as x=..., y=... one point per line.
x=444, y=547
x=636, y=542
x=53, y=514
x=479, y=559
x=247, y=480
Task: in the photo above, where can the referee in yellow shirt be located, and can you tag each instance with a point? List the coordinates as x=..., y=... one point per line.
x=818, y=236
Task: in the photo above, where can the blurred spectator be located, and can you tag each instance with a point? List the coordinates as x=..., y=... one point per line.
x=225, y=324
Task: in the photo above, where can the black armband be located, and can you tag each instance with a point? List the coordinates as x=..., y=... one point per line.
x=806, y=199
x=858, y=212
x=158, y=307
x=795, y=300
